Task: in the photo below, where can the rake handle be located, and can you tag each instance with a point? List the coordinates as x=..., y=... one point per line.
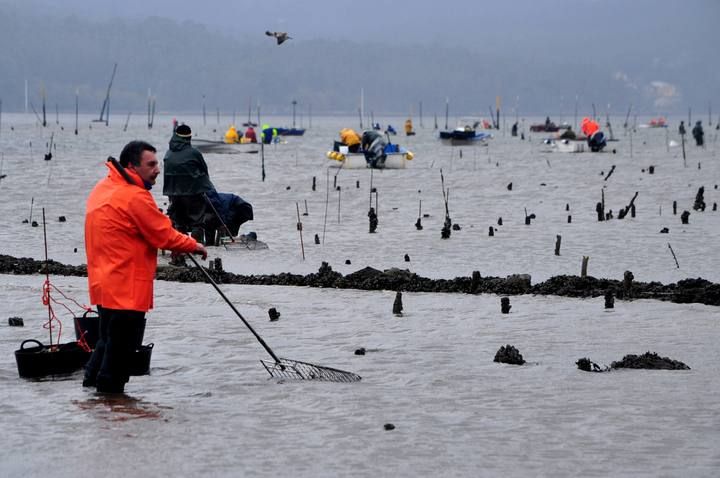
x=217, y=288
x=125, y=175
x=217, y=214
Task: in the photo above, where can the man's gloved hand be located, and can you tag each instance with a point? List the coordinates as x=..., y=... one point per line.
x=200, y=251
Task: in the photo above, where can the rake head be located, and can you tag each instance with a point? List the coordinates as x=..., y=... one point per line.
x=242, y=242
x=293, y=369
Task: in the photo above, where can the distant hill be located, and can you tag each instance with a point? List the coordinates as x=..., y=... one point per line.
x=186, y=64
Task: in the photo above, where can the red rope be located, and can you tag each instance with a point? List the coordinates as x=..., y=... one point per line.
x=82, y=343
x=48, y=300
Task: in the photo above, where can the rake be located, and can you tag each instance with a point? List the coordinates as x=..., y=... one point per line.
x=280, y=367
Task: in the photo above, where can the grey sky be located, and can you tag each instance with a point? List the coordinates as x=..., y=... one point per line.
x=526, y=23
x=660, y=55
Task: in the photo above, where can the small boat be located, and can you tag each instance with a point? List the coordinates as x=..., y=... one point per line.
x=291, y=131
x=221, y=147
x=655, y=123
x=548, y=127
x=564, y=145
x=569, y=145
x=464, y=136
x=396, y=158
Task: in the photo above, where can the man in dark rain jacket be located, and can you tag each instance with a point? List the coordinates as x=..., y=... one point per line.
x=373, y=144
x=185, y=182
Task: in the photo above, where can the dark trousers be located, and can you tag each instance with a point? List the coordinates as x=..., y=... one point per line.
x=121, y=334
x=187, y=212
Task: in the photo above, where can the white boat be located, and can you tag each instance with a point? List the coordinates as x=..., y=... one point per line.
x=570, y=145
x=221, y=147
x=565, y=145
x=347, y=160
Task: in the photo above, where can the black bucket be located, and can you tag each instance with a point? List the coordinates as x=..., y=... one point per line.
x=43, y=360
x=88, y=326
x=140, y=362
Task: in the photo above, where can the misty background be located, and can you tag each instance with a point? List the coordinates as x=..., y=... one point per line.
x=540, y=57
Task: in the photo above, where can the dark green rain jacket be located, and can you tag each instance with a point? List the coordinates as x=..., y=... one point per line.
x=185, y=172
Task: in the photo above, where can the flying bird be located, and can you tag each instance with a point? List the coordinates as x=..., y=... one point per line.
x=280, y=36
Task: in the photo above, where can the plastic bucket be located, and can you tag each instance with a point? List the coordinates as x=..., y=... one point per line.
x=42, y=360
x=89, y=325
x=140, y=361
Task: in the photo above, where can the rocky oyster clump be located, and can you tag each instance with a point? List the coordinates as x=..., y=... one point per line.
x=649, y=360
x=509, y=354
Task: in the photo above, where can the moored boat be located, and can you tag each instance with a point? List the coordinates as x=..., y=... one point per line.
x=221, y=147
x=396, y=158
x=464, y=136
x=291, y=131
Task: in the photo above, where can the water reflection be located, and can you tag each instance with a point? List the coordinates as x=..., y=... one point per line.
x=121, y=407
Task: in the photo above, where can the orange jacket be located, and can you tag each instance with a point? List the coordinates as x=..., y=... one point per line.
x=588, y=126
x=123, y=231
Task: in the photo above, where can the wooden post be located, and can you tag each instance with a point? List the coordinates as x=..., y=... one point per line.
x=682, y=141
x=475, y=282
x=339, y=190
x=628, y=283
x=673, y=254
x=398, y=305
x=300, y=228
x=583, y=268
x=609, y=300
x=558, y=239
x=505, y=305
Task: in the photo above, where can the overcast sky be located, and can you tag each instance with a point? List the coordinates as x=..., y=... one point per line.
x=476, y=22
x=660, y=53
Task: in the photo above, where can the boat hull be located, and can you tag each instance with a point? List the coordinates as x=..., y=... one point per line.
x=291, y=131
x=220, y=147
x=463, y=138
x=357, y=161
x=570, y=146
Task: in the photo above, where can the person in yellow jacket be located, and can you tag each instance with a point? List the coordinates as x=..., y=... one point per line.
x=349, y=138
x=409, y=127
x=231, y=135
x=123, y=231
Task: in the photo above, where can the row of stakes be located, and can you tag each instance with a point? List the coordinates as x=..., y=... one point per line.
x=602, y=214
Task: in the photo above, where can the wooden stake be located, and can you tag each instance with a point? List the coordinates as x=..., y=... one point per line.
x=300, y=228
x=339, y=190
x=673, y=254
x=583, y=268
x=558, y=239
x=327, y=200
x=262, y=159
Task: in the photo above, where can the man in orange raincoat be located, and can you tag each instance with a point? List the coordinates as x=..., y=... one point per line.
x=595, y=137
x=123, y=231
